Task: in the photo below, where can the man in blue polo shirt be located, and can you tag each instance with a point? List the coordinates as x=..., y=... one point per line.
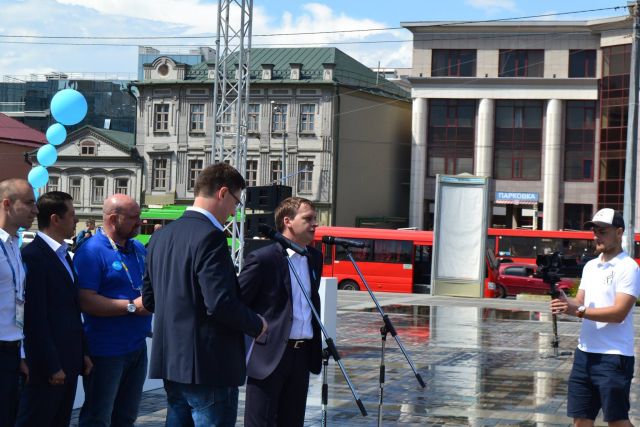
x=110, y=267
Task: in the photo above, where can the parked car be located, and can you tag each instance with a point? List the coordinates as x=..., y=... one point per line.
x=517, y=278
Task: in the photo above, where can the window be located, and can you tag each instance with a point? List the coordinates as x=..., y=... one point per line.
x=197, y=118
x=521, y=63
x=161, y=120
x=518, y=140
x=75, y=189
x=359, y=254
x=253, y=118
x=160, y=174
x=122, y=185
x=279, y=118
x=451, y=136
x=307, y=117
x=252, y=173
x=305, y=175
x=276, y=171
x=195, y=167
x=582, y=63
x=579, y=140
x=392, y=251
x=614, y=90
x=97, y=191
x=87, y=148
x=453, y=63
x=53, y=184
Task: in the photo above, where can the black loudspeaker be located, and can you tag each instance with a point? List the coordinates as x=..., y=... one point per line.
x=251, y=245
x=266, y=197
x=253, y=221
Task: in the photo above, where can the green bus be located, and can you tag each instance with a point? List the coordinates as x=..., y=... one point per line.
x=162, y=215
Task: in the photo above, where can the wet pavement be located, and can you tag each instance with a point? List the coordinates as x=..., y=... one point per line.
x=484, y=362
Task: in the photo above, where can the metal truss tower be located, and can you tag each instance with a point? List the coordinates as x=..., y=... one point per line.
x=230, y=99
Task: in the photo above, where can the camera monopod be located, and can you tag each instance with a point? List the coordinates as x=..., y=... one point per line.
x=385, y=329
x=551, y=278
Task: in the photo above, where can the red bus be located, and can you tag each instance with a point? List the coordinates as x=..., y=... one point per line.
x=525, y=245
x=392, y=261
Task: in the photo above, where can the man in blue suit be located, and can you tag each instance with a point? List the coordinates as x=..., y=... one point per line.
x=280, y=363
x=190, y=285
x=55, y=347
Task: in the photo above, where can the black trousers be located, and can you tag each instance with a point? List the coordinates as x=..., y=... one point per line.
x=9, y=379
x=281, y=398
x=47, y=405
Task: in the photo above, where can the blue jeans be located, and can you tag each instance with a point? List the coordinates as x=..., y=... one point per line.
x=200, y=405
x=114, y=389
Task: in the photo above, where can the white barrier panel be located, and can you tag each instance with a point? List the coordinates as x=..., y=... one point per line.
x=329, y=305
x=149, y=384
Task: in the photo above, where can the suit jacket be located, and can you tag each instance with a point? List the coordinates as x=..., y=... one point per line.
x=191, y=286
x=54, y=338
x=265, y=284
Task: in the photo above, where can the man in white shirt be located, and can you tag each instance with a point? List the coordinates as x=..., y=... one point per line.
x=280, y=362
x=17, y=209
x=604, y=360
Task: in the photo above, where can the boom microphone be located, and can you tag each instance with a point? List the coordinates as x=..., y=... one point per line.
x=330, y=240
x=284, y=242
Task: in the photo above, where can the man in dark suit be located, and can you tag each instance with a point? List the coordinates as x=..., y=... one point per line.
x=190, y=284
x=54, y=340
x=280, y=362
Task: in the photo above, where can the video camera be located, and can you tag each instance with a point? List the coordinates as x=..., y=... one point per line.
x=549, y=268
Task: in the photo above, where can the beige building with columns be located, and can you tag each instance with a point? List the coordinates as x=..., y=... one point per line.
x=539, y=106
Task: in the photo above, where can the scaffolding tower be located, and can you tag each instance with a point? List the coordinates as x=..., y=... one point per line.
x=230, y=100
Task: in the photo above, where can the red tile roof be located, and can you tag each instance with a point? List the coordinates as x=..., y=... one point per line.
x=14, y=132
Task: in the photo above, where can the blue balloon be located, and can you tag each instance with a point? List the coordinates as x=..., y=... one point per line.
x=38, y=177
x=56, y=134
x=47, y=155
x=68, y=107
x=35, y=194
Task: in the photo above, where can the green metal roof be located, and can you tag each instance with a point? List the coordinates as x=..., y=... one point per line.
x=347, y=72
x=126, y=140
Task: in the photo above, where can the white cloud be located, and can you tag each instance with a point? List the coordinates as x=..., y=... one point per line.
x=137, y=18
x=493, y=6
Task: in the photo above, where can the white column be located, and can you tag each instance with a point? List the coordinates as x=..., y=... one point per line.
x=418, y=162
x=484, y=138
x=552, y=167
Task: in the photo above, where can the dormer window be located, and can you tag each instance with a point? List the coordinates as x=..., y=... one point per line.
x=87, y=148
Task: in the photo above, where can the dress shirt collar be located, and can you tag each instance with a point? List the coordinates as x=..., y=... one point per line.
x=55, y=246
x=209, y=215
x=4, y=236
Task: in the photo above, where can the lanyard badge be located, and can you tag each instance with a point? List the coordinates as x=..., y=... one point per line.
x=121, y=265
x=18, y=289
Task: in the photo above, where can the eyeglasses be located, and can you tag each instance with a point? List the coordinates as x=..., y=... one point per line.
x=238, y=201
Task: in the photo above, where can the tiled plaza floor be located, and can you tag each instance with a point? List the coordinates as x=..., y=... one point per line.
x=483, y=362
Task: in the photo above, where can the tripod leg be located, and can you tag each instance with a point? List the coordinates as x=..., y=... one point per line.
x=325, y=386
x=383, y=337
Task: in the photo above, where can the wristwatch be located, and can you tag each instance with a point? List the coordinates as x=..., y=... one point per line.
x=131, y=307
x=580, y=311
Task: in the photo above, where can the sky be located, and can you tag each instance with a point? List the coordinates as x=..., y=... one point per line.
x=133, y=20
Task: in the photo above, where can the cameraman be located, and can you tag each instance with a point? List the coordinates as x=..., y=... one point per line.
x=603, y=363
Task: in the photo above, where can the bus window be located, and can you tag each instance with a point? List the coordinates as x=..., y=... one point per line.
x=359, y=254
x=395, y=251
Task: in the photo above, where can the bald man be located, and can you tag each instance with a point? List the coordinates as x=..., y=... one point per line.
x=17, y=209
x=110, y=267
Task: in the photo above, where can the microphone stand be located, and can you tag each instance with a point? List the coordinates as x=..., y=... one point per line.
x=331, y=347
x=325, y=387
x=384, y=330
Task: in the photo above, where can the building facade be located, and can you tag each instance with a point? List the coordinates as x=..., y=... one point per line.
x=342, y=132
x=93, y=164
x=15, y=140
x=539, y=106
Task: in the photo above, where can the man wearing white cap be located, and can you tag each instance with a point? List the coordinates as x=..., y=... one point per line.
x=603, y=363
